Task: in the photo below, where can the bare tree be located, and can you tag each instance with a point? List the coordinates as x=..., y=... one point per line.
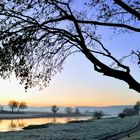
x=137, y=108
x=13, y=104
x=37, y=36
x=22, y=105
x=68, y=110
x=54, y=109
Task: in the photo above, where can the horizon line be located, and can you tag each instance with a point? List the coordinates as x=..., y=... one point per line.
x=73, y=106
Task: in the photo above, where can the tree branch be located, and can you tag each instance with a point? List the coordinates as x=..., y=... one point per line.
x=128, y=8
x=118, y=74
x=109, y=24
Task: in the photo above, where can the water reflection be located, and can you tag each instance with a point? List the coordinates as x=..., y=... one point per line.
x=54, y=120
x=18, y=124
x=0, y=121
x=13, y=124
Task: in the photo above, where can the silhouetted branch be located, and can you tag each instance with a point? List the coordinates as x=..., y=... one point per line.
x=109, y=25
x=121, y=75
x=128, y=8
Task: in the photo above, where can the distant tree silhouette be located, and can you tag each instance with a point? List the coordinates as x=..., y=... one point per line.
x=137, y=107
x=68, y=110
x=22, y=105
x=54, y=109
x=37, y=36
x=77, y=111
x=98, y=114
x=13, y=104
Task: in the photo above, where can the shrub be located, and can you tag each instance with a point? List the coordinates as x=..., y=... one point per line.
x=98, y=114
x=121, y=115
x=129, y=112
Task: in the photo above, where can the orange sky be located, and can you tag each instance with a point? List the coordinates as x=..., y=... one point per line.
x=71, y=90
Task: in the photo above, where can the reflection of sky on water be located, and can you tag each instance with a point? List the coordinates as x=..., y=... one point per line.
x=18, y=124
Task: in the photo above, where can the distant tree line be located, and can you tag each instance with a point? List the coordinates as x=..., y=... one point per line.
x=68, y=110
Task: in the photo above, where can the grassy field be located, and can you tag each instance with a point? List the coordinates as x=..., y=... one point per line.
x=93, y=130
x=135, y=136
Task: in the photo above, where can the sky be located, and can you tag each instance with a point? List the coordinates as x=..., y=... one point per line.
x=78, y=84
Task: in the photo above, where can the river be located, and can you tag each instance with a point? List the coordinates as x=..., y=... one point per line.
x=18, y=124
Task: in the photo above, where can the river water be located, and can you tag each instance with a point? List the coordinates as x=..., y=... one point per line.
x=18, y=124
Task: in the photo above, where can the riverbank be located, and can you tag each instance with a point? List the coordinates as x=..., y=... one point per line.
x=134, y=136
x=92, y=130
x=125, y=133
x=26, y=115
